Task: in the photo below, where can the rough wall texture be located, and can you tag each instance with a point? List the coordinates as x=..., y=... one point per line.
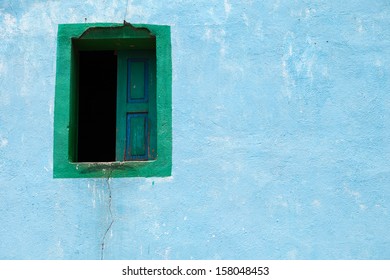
x=281, y=128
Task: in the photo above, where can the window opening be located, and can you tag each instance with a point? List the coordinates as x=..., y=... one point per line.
x=97, y=106
x=113, y=102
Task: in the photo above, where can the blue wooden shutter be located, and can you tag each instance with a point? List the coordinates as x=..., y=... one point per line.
x=136, y=106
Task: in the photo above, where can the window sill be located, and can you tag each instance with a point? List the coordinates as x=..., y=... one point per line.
x=150, y=168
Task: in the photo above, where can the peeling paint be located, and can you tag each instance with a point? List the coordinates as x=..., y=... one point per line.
x=227, y=6
x=3, y=142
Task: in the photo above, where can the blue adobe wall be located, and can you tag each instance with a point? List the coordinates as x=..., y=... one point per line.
x=281, y=130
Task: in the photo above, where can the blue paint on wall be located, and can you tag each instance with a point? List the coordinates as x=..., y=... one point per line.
x=281, y=131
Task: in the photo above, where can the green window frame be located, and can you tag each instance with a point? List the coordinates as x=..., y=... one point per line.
x=149, y=156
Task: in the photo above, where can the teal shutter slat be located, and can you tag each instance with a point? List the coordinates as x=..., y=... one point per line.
x=137, y=137
x=137, y=78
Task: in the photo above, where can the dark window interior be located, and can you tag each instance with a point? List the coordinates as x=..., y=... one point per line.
x=97, y=106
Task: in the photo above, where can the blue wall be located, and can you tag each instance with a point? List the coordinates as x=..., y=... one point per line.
x=281, y=136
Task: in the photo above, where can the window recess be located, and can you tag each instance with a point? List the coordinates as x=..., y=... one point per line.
x=113, y=101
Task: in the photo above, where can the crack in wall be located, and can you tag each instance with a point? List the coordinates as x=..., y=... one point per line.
x=103, y=244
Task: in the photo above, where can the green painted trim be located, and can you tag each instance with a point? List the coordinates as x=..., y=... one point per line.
x=71, y=36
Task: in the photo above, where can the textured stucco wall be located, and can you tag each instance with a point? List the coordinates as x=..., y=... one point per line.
x=281, y=130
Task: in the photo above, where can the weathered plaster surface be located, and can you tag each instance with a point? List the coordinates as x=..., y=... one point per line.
x=281, y=128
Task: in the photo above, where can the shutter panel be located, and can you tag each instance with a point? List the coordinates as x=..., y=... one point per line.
x=137, y=79
x=136, y=107
x=137, y=139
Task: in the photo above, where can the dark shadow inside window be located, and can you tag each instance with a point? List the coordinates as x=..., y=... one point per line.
x=97, y=78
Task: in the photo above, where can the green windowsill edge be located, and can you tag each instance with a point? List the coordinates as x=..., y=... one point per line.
x=64, y=147
x=114, y=169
